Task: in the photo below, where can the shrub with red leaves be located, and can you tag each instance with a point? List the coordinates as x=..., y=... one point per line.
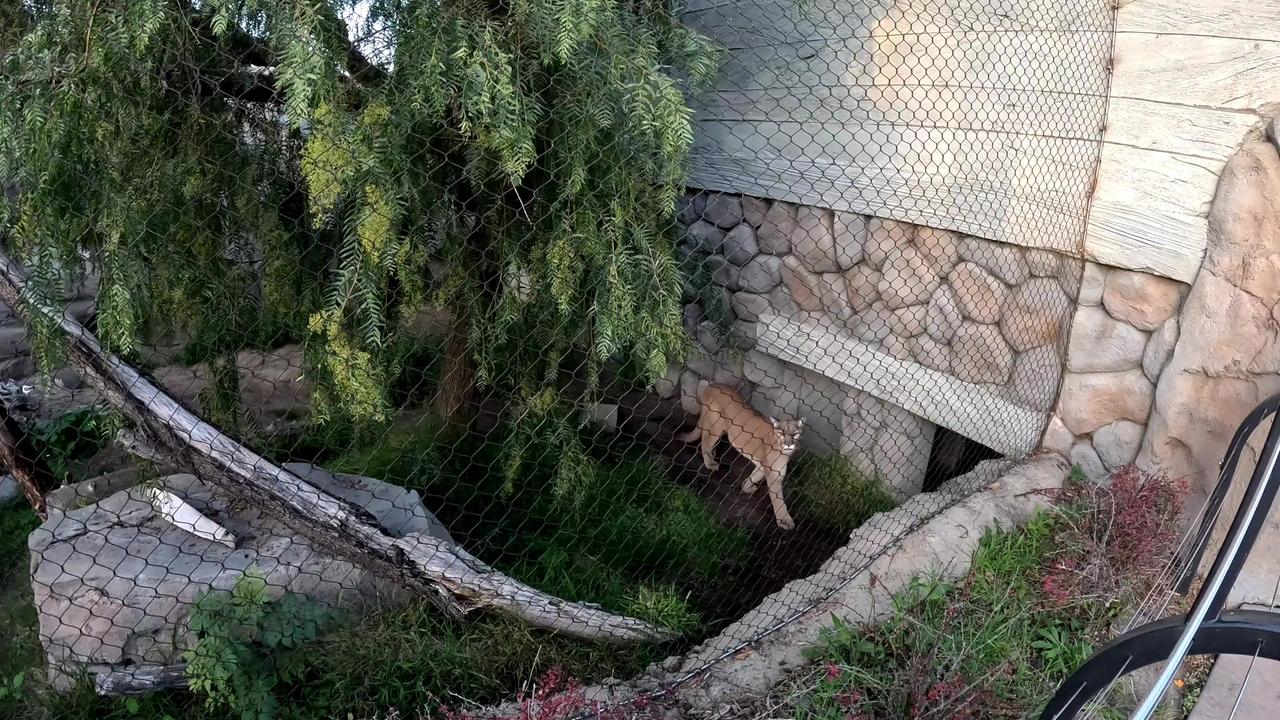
x=1118, y=536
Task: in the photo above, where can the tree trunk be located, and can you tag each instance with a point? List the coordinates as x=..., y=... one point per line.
x=451, y=577
x=457, y=376
x=17, y=457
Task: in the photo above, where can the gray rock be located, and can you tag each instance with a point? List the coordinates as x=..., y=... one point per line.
x=749, y=306
x=931, y=353
x=774, y=234
x=724, y=210
x=693, y=315
x=873, y=325
x=9, y=490
x=1159, y=348
x=113, y=580
x=762, y=274
x=742, y=335
x=862, y=285
x=1035, y=314
x=1036, y=373
x=980, y=294
x=908, y=278
x=1003, y=261
x=689, y=207
x=1117, y=444
x=703, y=237
x=1083, y=455
x=850, y=231
x=980, y=355
x=781, y=303
x=897, y=347
x=1057, y=437
x=1070, y=275
x=762, y=369
x=723, y=272
x=740, y=244
x=939, y=247
x=1100, y=343
x=668, y=385
x=1042, y=263
x=943, y=317
x=754, y=210
x=1091, y=286
x=883, y=237
x=908, y=321
x=813, y=241
x=708, y=337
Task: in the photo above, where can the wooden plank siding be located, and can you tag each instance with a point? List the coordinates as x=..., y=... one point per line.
x=1192, y=78
x=981, y=117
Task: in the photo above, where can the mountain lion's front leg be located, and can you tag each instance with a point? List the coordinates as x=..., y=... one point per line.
x=780, y=514
x=752, y=483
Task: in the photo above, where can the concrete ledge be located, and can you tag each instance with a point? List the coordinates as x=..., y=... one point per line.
x=976, y=411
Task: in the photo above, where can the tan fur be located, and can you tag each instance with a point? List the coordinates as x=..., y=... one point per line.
x=763, y=441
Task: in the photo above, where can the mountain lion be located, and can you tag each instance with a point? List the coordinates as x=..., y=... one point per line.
x=766, y=442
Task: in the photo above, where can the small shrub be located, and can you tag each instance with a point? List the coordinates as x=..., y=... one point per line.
x=832, y=491
x=72, y=437
x=247, y=644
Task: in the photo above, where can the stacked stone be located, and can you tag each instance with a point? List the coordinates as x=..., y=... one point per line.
x=1121, y=339
x=984, y=312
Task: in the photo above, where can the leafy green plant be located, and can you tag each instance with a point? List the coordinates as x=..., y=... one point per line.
x=247, y=644
x=1062, y=649
x=71, y=437
x=832, y=491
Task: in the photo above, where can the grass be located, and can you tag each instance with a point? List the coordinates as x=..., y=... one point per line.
x=997, y=642
x=831, y=491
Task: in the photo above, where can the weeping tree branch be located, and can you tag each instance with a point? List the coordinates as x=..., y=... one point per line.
x=452, y=578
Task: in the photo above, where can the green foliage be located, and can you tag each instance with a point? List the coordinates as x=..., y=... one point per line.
x=246, y=644
x=71, y=437
x=630, y=541
x=832, y=491
x=534, y=149
x=17, y=611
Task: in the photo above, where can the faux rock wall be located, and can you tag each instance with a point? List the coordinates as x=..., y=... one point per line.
x=990, y=315
x=1122, y=335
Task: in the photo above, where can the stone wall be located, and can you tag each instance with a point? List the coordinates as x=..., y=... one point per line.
x=1124, y=330
x=939, y=306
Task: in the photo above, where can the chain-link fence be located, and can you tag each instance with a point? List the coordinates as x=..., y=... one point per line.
x=419, y=355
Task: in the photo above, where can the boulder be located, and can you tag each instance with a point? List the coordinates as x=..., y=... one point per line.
x=897, y=347
x=931, y=353
x=708, y=337
x=1070, y=275
x=740, y=244
x=1035, y=315
x=908, y=278
x=883, y=236
x=1090, y=400
x=850, y=231
x=943, y=316
x=689, y=207
x=1159, y=347
x=980, y=354
x=762, y=274
x=754, y=210
x=113, y=580
x=703, y=237
x=908, y=321
x=813, y=241
x=940, y=247
x=1100, y=343
x=872, y=325
x=1057, y=437
x=862, y=284
x=1084, y=456
x=763, y=369
x=749, y=306
x=805, y=287
x=1142, y=300
x=668, y=385
x=1042, y=263
x=980, y=294
x=1117, y=444
x=689, y=390
x=724, y=210
x=774, y=233
x=723, y=272
x=1092, y=284
x=1035, y=378
x=1001, y=260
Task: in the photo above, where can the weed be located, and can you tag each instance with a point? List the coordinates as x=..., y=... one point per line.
x=832, y=491
x=72, y=437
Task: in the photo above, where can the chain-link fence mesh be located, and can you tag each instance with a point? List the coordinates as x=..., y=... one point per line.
x=484, y=345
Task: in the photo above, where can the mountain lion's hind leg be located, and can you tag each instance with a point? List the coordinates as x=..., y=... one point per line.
x=709, y=441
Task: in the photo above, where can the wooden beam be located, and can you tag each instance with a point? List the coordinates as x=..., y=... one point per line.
x=1253, y=20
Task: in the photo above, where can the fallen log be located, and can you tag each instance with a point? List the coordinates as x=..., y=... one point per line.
x=452, y=578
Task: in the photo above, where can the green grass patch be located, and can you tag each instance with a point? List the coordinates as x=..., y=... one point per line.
x=831, y=491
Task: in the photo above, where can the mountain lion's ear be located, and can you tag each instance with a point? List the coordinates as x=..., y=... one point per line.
x=773, y=422
x=800, y=422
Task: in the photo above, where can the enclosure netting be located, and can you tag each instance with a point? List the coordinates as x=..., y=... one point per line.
x=456, y=303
